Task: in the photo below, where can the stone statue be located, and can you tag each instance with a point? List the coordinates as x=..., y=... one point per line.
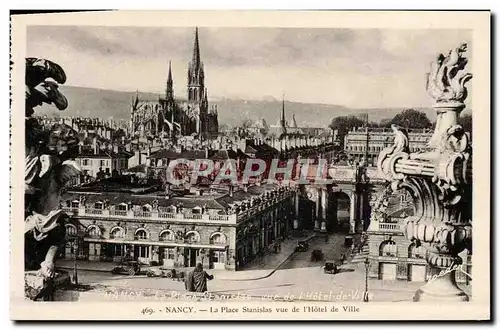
x=439, y=180
x=48, y=168
x=447, y=77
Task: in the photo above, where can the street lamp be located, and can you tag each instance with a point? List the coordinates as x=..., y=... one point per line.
x=367, y=266
x=74, y=239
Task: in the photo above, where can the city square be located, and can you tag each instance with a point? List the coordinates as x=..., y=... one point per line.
x=185, y=194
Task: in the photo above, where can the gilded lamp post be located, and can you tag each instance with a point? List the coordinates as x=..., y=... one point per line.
x=439, y=179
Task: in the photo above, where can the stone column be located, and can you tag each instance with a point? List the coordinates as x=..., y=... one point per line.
x=324, y=205
x=352, y=209
x=439, y=179
x=296, y=218
x=176, y=258
x=362, y=210
x=317, y=214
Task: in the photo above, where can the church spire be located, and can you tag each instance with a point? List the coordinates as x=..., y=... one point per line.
x=136, y=100
x=169, y=92
x=196, y=76
x=294, y=122
x=196, y=50
x=282, y=117
x=283, y=120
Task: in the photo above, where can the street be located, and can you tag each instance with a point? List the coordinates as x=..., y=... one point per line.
x=298, y=277
x=332, y=251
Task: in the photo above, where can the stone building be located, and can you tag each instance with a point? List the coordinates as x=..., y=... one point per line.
x=359, y=139
x=392, y=255
x=171, y=117
x=221, y=229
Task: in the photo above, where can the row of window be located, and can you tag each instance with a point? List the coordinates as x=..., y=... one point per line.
x=390, y=249
x=124, y=207
x=141, y=234
x=362, y=148
x=122, y=163
x=169, y=253
x=374, y=148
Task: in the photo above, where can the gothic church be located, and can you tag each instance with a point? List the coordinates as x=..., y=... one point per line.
x=171, y=118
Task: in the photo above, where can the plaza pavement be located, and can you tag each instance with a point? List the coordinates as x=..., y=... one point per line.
x=298, y=278
x=258, y=268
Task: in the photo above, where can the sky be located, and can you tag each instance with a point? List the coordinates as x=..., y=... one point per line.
x=357, y=68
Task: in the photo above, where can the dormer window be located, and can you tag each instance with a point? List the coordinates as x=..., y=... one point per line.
x=75, y=204
x=98, y=205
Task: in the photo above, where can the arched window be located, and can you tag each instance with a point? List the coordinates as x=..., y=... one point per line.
x=117, y=232
x=416, y=252
x=218, y=238
x=93, y=231
x=71, y=230
x=197, y=210
x=167, y=235
x=141, y=234
x=146, y=208
x=192, y=237
x=388, y=249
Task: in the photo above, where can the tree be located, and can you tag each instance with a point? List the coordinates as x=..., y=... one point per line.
x=466, y=122
x=223, y=128
x=411, y=118
x=344, y=124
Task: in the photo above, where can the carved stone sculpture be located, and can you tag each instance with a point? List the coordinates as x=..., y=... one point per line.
x=48, y=168
x=439, y=180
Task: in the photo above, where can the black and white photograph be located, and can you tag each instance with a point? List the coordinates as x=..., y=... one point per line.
x=237, y=171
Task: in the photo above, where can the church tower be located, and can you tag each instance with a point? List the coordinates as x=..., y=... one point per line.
x=196, y=75
x=169, y=91
x=282, y=117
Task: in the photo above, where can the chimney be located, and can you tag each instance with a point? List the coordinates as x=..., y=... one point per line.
x=94, y=145
x=137, y=155
x=206, y=152
x=245, y=188
x=115, y=148
x=231, y=190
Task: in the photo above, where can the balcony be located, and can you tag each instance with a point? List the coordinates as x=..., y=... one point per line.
x=388, y=227
x=153, y=216
x=120, y=213
x=142, y=214
x=93, y=211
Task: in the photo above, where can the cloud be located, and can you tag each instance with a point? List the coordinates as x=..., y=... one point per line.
x=353, y=67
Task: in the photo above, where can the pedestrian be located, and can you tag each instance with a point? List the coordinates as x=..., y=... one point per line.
x=197, y=279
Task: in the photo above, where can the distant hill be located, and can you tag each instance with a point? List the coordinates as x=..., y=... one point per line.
x=101, y=103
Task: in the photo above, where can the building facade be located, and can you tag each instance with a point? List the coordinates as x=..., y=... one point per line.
x=392, y=255
x=222, y=230
x=361, y=141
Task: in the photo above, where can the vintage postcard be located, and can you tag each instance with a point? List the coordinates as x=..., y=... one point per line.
x=239, y=165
